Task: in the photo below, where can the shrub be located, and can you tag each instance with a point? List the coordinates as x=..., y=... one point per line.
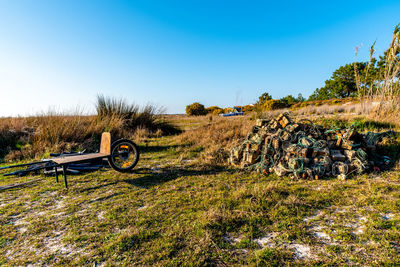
x=289, y=100
x=273, y=104
x=196, y=109
x=248, y=108
x=263, y=98
x=218, y=111
x=210, y=110
x=227, y=110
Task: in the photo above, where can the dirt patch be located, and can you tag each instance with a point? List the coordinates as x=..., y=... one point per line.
x=55, y=244
x=313, y=217
x=318, y=232
x=100, y=215
x=142, y=207
x=301, y=251
x=266, y=241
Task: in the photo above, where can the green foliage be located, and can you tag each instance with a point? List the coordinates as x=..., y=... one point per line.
x=248, y=108
x=265, y=102
x=263, y=98
x=342, y=83
x=196, y=109
x=290, y=100
x=273, y=104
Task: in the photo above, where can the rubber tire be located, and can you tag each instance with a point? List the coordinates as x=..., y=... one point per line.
x=135, y=147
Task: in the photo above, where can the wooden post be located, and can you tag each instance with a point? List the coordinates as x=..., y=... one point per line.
x=65, y=175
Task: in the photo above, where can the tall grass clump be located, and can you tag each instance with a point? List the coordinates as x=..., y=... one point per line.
x=132, y=115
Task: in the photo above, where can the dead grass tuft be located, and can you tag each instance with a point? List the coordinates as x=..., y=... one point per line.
x=216, y=138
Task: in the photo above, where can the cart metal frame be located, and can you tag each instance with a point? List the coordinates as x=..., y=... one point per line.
x=106, y=148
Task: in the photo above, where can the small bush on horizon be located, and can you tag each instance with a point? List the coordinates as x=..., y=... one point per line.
x=228, y=110
x=273, y=104
x=214, y=110
x=217, y=111
x=248, y=108
x=196, y=109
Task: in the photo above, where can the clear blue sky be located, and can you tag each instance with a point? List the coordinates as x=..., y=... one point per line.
x=61, y=54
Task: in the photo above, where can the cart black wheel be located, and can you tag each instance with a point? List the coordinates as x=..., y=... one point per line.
x=124, y=155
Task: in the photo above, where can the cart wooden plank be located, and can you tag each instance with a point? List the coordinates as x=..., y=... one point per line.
x=105, y=150
x=78, y=158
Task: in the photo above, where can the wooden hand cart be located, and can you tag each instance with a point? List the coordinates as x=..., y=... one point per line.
x=122, y=155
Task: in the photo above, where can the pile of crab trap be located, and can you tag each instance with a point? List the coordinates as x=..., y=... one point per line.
x=308, y=151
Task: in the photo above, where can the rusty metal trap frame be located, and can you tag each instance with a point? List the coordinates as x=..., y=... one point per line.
x=122, y=156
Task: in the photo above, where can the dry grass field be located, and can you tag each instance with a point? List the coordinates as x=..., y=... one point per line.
x=183, y=205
